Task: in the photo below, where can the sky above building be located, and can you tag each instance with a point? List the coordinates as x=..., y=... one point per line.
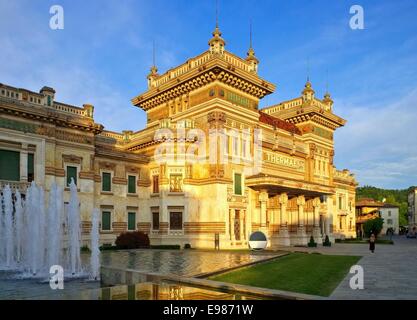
x=104, y=52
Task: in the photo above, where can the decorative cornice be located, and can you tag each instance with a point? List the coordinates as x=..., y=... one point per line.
x=206, y=76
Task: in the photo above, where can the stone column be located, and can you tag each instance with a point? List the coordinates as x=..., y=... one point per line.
x=263, y=199
x=316, y=220
x=232, y=224
x=301, y=232
x=327, y=225
x=241, y=219
x=24, y=163
x=283, y=236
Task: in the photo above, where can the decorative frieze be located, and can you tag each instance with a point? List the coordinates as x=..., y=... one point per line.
x=204, y=227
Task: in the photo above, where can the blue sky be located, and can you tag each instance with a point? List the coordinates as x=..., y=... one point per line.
x=105, y=50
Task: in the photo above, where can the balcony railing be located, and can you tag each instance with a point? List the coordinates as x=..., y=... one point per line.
x=15, y=185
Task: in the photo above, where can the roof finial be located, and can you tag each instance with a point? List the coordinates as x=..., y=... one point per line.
x=153, y=54
x=217, y=43
x=217, y=13
x=251, y=58
x=327, y=81
x=154, y=70
x=250, y=33
x=327, y=98
x=308, y=69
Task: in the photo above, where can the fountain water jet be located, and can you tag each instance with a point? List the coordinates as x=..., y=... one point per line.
x=33, y=238
x=74, y=232
x=95, y=251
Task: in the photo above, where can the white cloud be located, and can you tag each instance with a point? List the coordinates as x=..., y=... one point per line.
x=379, y=143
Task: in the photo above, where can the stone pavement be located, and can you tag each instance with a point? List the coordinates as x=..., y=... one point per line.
x=389, y=273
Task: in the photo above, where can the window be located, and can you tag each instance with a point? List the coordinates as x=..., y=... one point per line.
x=175, y=220
x=131, y=221
x=225, y=140
x=389, y=213
x=71, y=173
x=175, y=183
x=389, y=221
x=235, y=146
x=9, y=165
x=238, y=184
x=31, y=167
x=106, y=181
x=131, y=184
x=106, y=220
x=155, y=184
x=155, y=220
x=340, y=202
x=49, y=101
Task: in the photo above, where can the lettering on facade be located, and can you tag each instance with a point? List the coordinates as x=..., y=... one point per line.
x=323, y=133
x=282, y=160
x=237, y=99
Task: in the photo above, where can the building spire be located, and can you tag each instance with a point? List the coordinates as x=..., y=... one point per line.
x=217, y=43
x=251, y=58
x=250, y=33
x=308, y=91
x=327, y=98
x=154, y=70
x=217, y=14
x=153, y=54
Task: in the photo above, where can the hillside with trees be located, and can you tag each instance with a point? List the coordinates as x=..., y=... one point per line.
x=396, y=197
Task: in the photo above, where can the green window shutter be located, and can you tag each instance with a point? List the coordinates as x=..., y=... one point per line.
x=31, y=167
x=131, y=220
x=131, y=188
x=238, y=183
x=9, y=165
x=131, y=292
x=106, y=182
x=71, y=173
x=155, y=220
x=106, y=220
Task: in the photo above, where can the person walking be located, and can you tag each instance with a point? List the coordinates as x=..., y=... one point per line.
x=372, y=243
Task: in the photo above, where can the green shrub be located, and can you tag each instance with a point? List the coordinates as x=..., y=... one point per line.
x=132, y=240
x=312, y=243
x=187, y=246
x=107, y=246
x=327, y=242
x=85, y=249
x=373, y=226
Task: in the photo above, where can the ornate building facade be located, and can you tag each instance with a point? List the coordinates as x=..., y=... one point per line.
x=272, y=170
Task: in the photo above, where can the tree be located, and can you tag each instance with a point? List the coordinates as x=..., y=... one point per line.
x=373, y=226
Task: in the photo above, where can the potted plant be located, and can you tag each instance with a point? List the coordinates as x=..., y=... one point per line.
x=327, y=242
x=312, y=243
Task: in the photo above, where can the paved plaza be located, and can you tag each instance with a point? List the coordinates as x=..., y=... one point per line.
x=389, y=273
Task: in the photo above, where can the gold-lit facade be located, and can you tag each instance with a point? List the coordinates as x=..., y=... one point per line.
x=295, y=191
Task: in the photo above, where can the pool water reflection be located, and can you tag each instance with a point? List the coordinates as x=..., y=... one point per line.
x=165, y=291
x=178, y=262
